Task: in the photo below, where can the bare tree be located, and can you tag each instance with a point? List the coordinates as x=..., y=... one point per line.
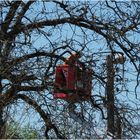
x=37, y=36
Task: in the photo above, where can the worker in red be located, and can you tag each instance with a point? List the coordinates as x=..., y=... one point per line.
x=66, y=74
x=71, y=60
x=78, y=67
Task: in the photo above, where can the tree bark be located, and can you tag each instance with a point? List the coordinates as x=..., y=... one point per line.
x=110, y=95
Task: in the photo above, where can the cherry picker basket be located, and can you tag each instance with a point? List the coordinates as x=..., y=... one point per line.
x=72, y=83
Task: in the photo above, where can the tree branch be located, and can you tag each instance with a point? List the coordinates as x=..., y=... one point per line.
x=10, y=15
x=44, y=116
x=37, y=54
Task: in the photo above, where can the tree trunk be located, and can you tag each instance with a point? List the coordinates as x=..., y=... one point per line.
x=110, y=95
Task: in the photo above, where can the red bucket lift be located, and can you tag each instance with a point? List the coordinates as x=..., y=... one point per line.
x=72, y=83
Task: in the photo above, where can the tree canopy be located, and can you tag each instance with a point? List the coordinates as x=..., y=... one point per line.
x=36, y=36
